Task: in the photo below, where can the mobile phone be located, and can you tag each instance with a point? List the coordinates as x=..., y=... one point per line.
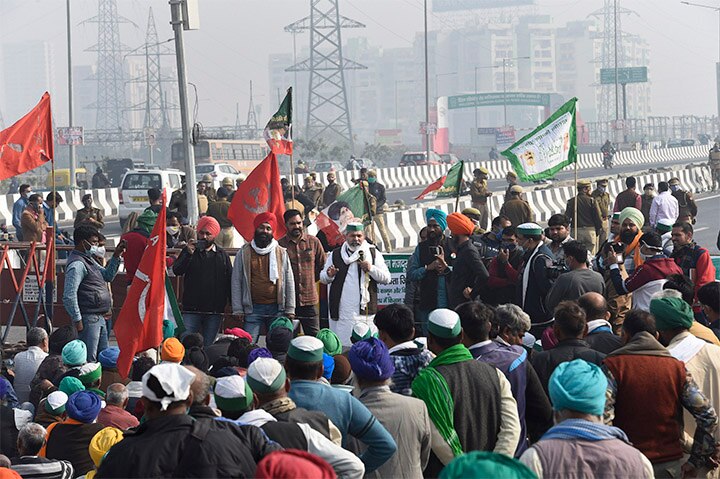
x=435, y=250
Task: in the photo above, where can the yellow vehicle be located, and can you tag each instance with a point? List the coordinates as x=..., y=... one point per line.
x=62, y=178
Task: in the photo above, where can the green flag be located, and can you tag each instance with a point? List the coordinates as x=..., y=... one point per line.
x=357, y=201
x=173, y=324
x=548, y=148
x=453, y=181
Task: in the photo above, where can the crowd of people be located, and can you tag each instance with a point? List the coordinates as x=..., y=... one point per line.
x=519, y=351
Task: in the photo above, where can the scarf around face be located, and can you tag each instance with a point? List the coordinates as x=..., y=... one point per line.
x=572, y=429
x=430, y=386
x=269, y=249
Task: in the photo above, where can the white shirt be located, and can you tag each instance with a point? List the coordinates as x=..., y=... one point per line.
x=349, y=306
x=26, y=365
x=664, y=206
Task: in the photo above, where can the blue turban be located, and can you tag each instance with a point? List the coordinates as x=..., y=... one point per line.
x=259, y=353
x=437, y=215
x=108, y=357
x=83, y=406
x=370, y=360
x=74, y=353
x=328, y=366
x=578, y=386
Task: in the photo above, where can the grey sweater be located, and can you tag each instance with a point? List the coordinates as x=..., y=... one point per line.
x=241, y=277
x=573, y=284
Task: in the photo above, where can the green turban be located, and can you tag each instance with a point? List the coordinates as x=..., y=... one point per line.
x=483, y=464
x=70, y=385
x=146, y=220
x=168, y=329
x=74, y=353
x=282, y=322
x=578, y=386
x=331, y=342
x=634, y=214
x=671, y=313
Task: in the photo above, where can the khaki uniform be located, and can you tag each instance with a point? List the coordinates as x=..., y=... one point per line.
x=589, y=222
x=603, y=201
x=518, y=211
x=688, y=208
x=479, y=194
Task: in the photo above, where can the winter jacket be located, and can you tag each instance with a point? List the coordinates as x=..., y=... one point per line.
x=206, y=285
x=408, y=363
x=241, y=280
x=545, y=362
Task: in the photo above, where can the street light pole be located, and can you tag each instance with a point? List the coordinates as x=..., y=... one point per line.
x=190, y=179
x=427, y=86
x=504, y=95
x=476, y=108
x=717, y=65
x=73, y=160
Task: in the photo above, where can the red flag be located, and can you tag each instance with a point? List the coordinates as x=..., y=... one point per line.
x=139, y=324
x=29, y=142
x=432, y=187
x=260, y=192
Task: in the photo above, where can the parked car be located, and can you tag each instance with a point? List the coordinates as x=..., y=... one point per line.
x=135, y=186
x=687, y=142
x=449, y=158
x=326, y=166
x=674, y=144
x=419, y=158
x=358, y=163
x=218, y=171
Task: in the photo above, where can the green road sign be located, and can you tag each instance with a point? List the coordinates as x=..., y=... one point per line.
x=498, y=99
x=625, y=75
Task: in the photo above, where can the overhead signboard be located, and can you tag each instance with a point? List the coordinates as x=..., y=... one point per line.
x=624, y=75
x=72, y=135
x=498, y=99
x=455, y=5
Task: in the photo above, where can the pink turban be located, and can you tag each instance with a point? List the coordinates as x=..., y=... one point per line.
x=209, y=224
x=266, y=217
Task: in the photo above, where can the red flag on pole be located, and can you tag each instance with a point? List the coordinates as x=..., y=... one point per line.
x=260, y=192
x=432, y=187
x=139, y=324
x=29, y=142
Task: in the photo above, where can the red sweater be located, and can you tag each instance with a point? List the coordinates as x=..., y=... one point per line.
x=136, y=244
x=647, y=404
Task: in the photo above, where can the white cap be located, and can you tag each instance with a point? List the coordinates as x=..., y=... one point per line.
x=306, y=349
x=265, y=375
x=230, y=387
x=174, y=379
x=444, y=323
x=56, y=401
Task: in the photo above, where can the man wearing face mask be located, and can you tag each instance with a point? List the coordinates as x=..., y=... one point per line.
x=503, y=270
x=647, y=200
x=602, y=199
x=353, y=271
x=647, y=278
x=488, y=244
x=332, y=190
x=618, y=304
x=378, y=191
x=469, y=274
x=664, y=206
x=177, y=234
x=86, y=297
x=686, y=202
x=307, y=258
x=137, y=241
x=18, y=209
x=533, y=283
x=89, y=215
x=33, y=220
x=263, y=285
x=207, y=272
x=479, y=194
x=430, y=270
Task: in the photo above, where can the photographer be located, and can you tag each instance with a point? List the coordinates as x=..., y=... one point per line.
x=649, y=277
x=534, y=284
x=503, y=270
x=578, y=280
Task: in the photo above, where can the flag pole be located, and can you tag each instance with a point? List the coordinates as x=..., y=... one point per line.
x=459, y=184
x=577, y=193
x=49, y=293
x=292, y=179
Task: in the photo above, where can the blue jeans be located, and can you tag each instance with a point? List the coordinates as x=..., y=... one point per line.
x=263, y=314
x=206, y=324
x=94, y=334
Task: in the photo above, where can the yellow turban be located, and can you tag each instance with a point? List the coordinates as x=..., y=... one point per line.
x=101, y=443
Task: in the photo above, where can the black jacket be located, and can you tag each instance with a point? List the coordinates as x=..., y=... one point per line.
x=545, y=362
x=206, y=284
x=181, y=446
x=603, y=341
x=468, y=271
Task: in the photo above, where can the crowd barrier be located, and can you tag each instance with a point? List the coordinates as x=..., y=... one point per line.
x=407, y=176
x=403, y=225
x=107, y=200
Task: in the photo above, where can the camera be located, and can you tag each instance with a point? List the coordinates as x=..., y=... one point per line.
x=435, y=250
x=557, y=268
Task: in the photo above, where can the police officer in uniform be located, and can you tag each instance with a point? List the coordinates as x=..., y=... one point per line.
x=479, y=194
x=602, y=198
x=688, y=208
x=589, y=221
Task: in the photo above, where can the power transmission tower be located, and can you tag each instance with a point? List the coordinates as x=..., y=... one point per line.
x=111, y=100
x=238, y=125
x=328, y=111
x=155, y=107
x=252, y=123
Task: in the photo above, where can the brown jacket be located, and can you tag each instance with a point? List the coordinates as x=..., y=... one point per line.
x=588, y=212
x=33, y=224
x=603, y=202
x=518, y=211
x=479, y=191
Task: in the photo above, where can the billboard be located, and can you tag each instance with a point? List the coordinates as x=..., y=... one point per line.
x=72, y=135
x=498, y=99
x=625, y=75
x=455, y=5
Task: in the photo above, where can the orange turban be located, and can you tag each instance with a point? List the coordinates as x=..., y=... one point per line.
x=209, y=224
x=172, y=350
x=460, y=224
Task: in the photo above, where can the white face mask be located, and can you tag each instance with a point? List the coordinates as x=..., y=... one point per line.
x=97, y=251
x=172, y=230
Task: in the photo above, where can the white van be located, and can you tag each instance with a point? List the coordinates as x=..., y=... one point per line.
x=136, y=183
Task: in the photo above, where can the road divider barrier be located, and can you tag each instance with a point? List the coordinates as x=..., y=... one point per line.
x=107, y=200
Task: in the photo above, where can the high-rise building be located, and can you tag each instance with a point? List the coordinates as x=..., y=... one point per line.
x=28, y=72
x=84, y=96
x=577, y=73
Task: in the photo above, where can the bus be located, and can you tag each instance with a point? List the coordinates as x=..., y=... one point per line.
x=243, y=155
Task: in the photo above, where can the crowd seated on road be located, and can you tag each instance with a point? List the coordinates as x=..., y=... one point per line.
x=518, y=351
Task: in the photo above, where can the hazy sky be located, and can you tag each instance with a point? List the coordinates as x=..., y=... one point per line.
x=236, y=37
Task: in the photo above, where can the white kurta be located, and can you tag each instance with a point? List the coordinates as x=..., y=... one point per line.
x=349, y=306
